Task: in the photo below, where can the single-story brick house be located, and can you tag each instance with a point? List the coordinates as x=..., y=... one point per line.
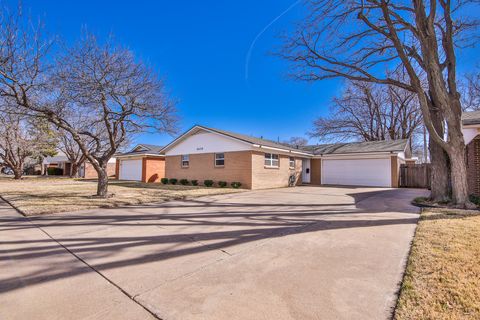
x=205, y=153
x=86, y=170
x=143, y=163
x=471, y=134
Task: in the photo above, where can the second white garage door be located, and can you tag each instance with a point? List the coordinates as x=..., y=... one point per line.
x=357, y=172
x=130, y=170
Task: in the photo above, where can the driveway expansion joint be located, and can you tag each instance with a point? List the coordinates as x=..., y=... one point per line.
x=93, y=269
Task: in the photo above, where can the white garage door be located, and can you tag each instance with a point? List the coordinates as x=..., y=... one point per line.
x=357, y=172
x=130, y=170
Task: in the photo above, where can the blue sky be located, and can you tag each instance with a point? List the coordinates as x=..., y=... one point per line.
x=200, y=48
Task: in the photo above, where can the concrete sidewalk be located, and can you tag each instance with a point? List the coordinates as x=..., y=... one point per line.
x=80, y=292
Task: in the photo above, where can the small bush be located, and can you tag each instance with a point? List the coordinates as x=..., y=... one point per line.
x=183, y=182
x=208, y=183
x=475, y=199
x=194, y=182
x=164, y=180
x=420, y=200
x=222, y=184
x=173, y=181
x=55, y=171
x=236, y=184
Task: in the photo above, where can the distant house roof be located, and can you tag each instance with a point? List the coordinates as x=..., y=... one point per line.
x=360, y=147
x=142, y=149
x=59, y=157
x=471, y=117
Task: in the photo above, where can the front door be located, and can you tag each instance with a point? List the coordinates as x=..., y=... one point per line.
x=306, y=170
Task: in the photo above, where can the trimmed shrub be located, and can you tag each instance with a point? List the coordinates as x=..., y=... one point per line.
x=173, y=181
x=475, y=199
x=208, y=183
x=55, y=171
x=222, y=184
x=183, y=182
x=236, y=184
x=194, y=182
x=164, y=180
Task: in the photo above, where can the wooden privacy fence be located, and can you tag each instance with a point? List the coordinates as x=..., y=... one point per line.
x=415, y=175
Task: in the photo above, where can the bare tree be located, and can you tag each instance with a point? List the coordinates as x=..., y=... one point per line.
x=113, y=94
x=370, y=112
x=356, y=39
x=72, y=151
x=21, y=139
x=471, y=94
x=296, y=142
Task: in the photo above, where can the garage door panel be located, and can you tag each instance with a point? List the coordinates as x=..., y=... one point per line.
x=130, y=170
x=357, y=172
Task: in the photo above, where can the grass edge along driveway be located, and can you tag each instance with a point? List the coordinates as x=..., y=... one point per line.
x=33, y=196
x=442, y=278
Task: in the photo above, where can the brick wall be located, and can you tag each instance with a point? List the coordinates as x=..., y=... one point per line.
x=473, y=166
x=153, y=169
x=90, y=172
x=263, y=177
x=202, y=166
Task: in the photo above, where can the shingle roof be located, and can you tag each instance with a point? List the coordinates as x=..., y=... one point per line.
x=254, y=140
x=472, y=117
x=151, y=149
x=360, y=147
x=337, y=148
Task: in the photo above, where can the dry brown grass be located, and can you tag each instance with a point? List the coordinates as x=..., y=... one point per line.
x=50, y=195
x=442, y=279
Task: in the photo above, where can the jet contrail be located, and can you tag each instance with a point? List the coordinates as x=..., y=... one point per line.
x=249, y=53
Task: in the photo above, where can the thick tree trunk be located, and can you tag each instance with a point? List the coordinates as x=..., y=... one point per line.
x=17, y=173
x=102, y=187
x=73, y=170
x=439, y=173
x=458, y=170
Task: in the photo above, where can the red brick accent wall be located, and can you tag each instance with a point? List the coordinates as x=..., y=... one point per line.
x=90, y=172
x=237, y=168
x=473, y=166
x=117, y=168
x=153, y=169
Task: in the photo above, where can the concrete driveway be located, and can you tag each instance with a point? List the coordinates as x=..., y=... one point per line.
x=296, y=253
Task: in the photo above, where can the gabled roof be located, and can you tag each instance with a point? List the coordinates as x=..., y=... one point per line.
x=471, y=117
x=360, y=147
x=142, y=149
x=324, y=149
x=258, y=142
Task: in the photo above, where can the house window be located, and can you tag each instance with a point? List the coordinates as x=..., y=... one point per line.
x=292, y=163
x=185, y=160
x=271, y=160
x=219, y=159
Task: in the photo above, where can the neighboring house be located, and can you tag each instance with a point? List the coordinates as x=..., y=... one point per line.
x=86, y=170
x=143, y=163
x=471, y=134
x=205, y=153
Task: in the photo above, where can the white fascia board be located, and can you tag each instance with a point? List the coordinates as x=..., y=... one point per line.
x=140, y=155
x=283, y=150
x=362, y=155
x=471, y=126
